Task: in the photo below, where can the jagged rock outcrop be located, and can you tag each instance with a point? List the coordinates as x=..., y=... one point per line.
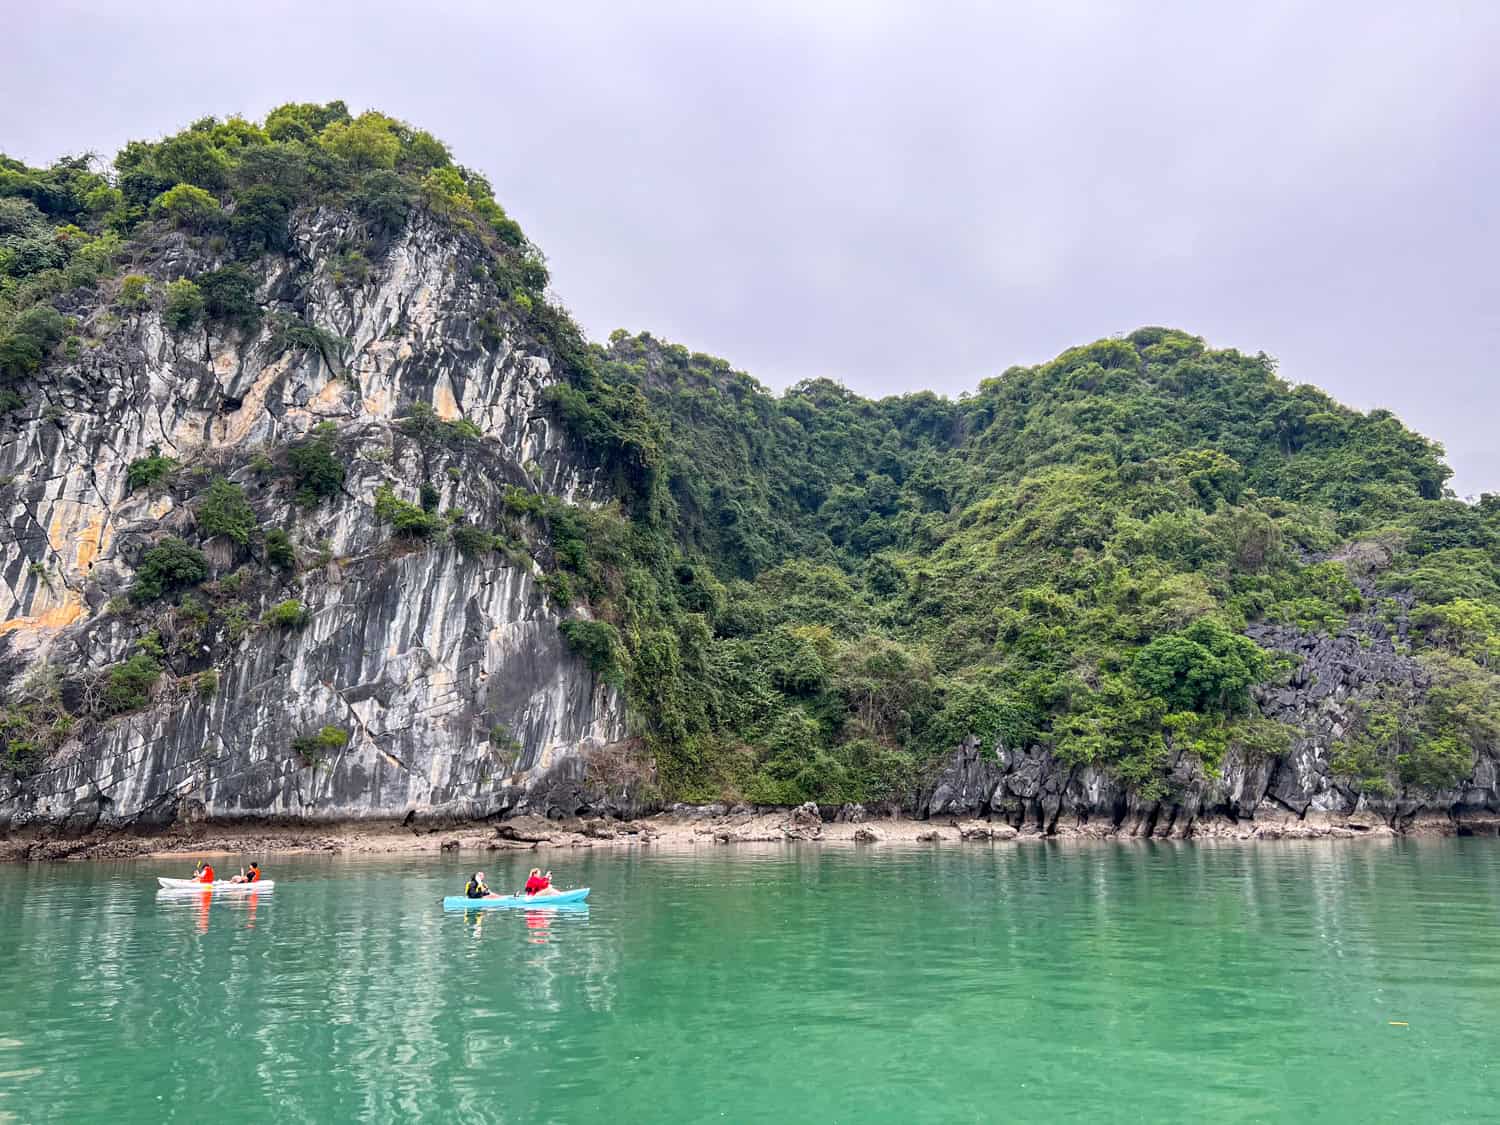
x=448, y=672
x=1031, y=790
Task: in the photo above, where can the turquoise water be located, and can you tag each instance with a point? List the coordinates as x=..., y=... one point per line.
x=1143, y=982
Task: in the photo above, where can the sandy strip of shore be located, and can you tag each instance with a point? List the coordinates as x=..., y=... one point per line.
x=664, y=831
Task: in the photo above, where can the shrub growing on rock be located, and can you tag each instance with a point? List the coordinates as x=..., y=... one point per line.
x=32, y=335
x=559, y=589
x=184, y=305
x=421, y=423
x=134, y=292
x=236, y=621
x=259, y=224
x=472, y=540
x=292, y=332
x=129, y=685
x=171, y=565
x=315, y=749
x=597, y=642
x=1205, y=667
x=225, y=511
x=407, y=520
x=279, y=551
x=229, y=297
x=384, y=200
x=146, y=472
x=290, y=614
x=188, y=207
x=316, y=472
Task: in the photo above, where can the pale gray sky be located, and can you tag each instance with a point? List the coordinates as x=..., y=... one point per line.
x=907, y=195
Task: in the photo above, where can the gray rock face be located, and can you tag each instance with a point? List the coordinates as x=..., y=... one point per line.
x=448, y=672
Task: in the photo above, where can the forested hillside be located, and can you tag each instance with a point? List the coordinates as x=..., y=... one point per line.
x=1068, y=557
x=804, y=596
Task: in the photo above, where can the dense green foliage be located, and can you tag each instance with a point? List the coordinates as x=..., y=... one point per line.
x=169, y=566
x=54, y=237
x=471, y=540
x=129, y=684
x=225, y=511
x=149, y=471
x=229, y=297
x=288, y=614
x=409, y=520
x=596, y=642
x=184, y=305
x=817, y=595
x=189, y=206
x=293, y=333
x=317, y=473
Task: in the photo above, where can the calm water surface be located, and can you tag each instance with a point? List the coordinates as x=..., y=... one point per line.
x=1146, y=982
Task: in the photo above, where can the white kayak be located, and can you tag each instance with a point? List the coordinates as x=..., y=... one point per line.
x=216, y=885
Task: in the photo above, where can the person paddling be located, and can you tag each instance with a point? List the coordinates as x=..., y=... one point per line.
x=203, y=872
x=539, y=885
x=478, y=888
x=252, y=875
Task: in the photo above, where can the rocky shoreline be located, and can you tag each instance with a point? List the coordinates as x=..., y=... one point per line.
x=683, y=826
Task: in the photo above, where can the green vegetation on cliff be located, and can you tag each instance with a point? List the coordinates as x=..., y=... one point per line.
x=819, y=595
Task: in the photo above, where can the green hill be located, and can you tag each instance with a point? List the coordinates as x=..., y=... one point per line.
x=1067, y=557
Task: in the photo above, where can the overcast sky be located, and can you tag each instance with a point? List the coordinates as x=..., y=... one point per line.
x=909, y=195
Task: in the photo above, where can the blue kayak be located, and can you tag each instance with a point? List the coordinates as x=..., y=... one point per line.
x=565, y=898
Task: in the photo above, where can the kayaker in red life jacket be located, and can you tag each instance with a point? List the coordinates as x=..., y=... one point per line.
x=538, y=884
x=252, y=875
x=203, y=873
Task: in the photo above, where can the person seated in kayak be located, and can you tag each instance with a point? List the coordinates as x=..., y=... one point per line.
x=203, y=872
x=250, y=875
x=478, y=888
x=538, y=884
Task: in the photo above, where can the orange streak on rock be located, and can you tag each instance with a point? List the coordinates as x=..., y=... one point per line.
x=57, y=617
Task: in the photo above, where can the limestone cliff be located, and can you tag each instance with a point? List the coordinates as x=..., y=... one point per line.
x=447, y=672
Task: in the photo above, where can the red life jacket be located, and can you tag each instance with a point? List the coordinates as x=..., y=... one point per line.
x=206, y=875
x=537, y=883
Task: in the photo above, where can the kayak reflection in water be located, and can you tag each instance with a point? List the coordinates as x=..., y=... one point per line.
x=539, y=885
x=478, y=888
